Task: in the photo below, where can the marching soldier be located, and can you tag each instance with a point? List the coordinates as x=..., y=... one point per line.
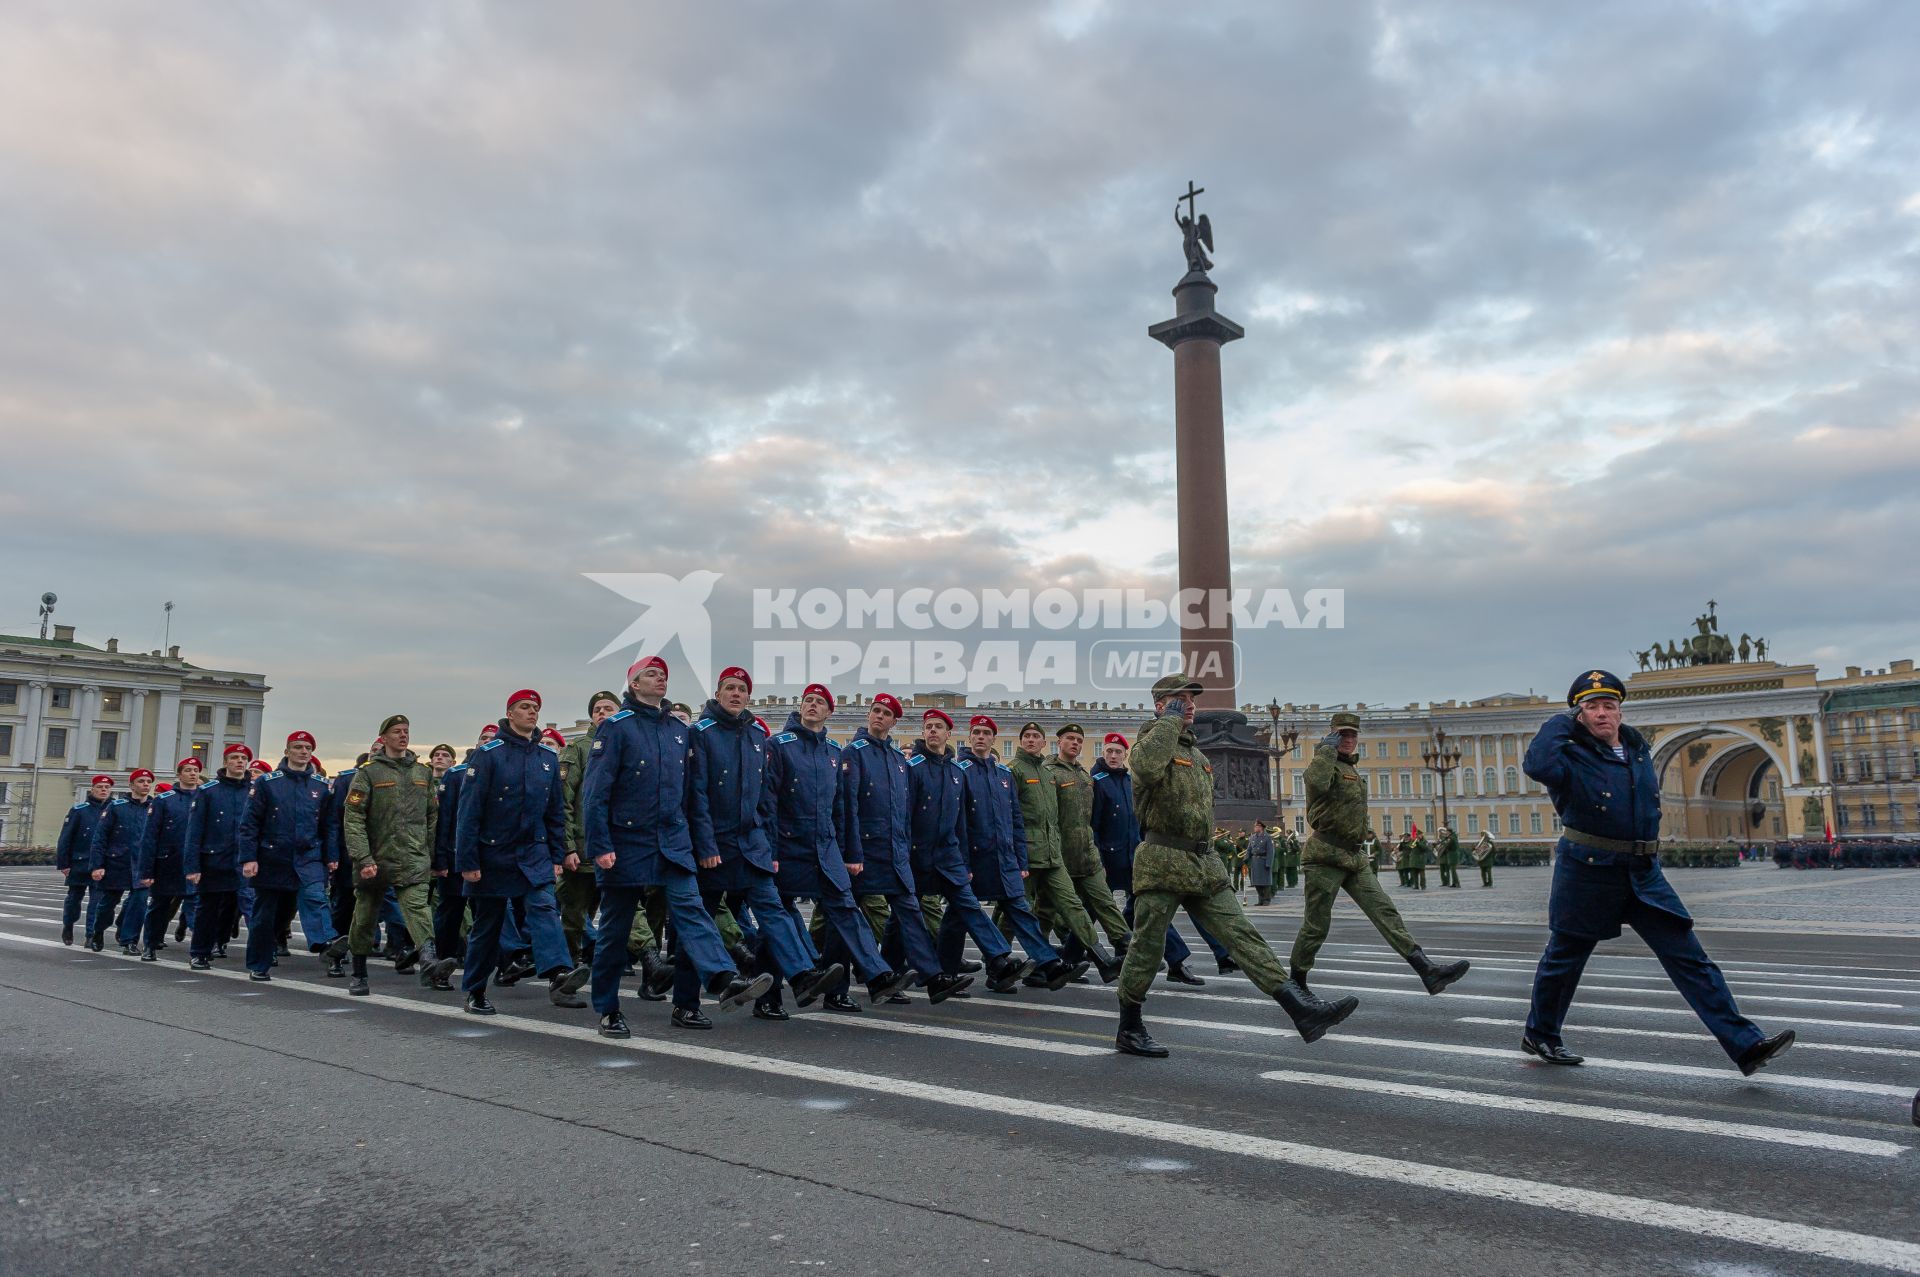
x=579, y=894
x=1117, y=829
x=1289, y=848
x=1600, y=775
x=1449, y=857
x=162, y=855
x=1483, y=856
x=1260, y=863
x=1370, y=848
x=391, y=818
x=1337, y=810
x=1050, y=890
x=72, y=853
x=1175, y=866
x=634, y=818
x=282, y=847
x=115, y=854
x=1073, y=787
x=510, y=837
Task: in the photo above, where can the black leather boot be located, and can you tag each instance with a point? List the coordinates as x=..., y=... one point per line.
x=879, y=989
x=1763, y=1052
x=1005, y=973
x=1177, y=973
x=1312, y=1017
x=1434, y=975
x=656, y=973
x=357, y=986
x=1105, y=963
x=1133, y=1038
x=808, y=986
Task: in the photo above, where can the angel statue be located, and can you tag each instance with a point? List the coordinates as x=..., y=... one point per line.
x=1194, y=232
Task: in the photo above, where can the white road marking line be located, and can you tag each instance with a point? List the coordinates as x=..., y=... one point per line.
x=1594, y=1113
x=1594, y=986
x=1740, y=982
x=963, y=1035
x=1800, y=1044
x=1749, y=1230
x=1740, y=964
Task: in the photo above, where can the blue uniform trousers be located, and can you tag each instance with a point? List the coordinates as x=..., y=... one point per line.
x=485, y=943
x=792, y=906
x=776, y=942
x=449, y=909
x=1686, y=964
x=963, y=917
x=190, y=910
x=214, y=921
x=316, y=916
x=846, y=937
x=696, y=939
x=77, y=898
x=100, y=908
x=271, y=907
x=245, y=910
x=160, y=911
x=133, y=916
x=907, y=934
x=1026, y=929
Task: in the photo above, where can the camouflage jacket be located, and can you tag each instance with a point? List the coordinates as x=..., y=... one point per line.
x=573, y=774
x=1337, y=810
x=1073, y=792
x=1449, y=848
x=1039, y=808
x=390, y=817
x=1173, y=792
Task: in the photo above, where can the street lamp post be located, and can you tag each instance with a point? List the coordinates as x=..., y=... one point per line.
x=1281, y=741
x=1441, y=756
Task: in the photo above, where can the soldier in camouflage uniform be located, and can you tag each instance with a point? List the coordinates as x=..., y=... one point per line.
x=1175, y=866
x=1337, y=810
x=1483, y=856
x=1050, y=891
x=1449, y=857
x=389, y=819
x=1073, y=788
x=1289, y=851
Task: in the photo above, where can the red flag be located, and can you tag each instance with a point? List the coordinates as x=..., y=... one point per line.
x=1829, y=833
x=1415, y=826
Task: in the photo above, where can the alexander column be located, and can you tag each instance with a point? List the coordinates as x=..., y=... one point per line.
x=1194, y=335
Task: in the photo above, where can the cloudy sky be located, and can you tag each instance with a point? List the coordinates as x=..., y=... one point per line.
x=363, y=331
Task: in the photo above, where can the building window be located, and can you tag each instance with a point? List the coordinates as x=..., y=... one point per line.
x=1492, y=779
x=3, y=794
x=234, y=721
x=1533, y=822
x=1380, y=749
x=200, y=750
x=203, y=716
x=1300, y=825
x=56, y=742
x=1863, y=763
x=1777, y=831
x=6, y=738
x=63, y=698
x=1406, y=784
x=109, y=747
x=1513, y=782
x=1869, y=816
x=1467, y=785
x=1386, y=825
x=1403, y=749
x=1426, y=784
x=1473, y=822
x=113, y=702
x=1513, y=822
x=9, y=693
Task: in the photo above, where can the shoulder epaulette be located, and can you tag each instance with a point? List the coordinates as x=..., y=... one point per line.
x=832, y=743
x=916, y=760
x=274, y=775
x=860, y=742
x=625, y=713
x=548, y=746
x=964, y=763
x=1100, y=775
x=785, y=738
x=457, y=767
x=492, y=744
x=77, y=806
x=118, y=802
x=703, y=725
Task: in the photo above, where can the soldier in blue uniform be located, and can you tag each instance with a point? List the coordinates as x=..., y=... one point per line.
x=729, y=807
x=1116, y=831
x=163, y=855
x=211, y=858
x=802, y=783
x=997, y=860
x=942, y=854
x=634, y=820
x=115, y=854
x=874, y=820
x=72, y=853
x=510, y=839
x=1606, y=872
x=283, y=848
x=450, y=897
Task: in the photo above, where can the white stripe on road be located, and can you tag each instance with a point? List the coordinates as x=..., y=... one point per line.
x=1743, y=982
x=1593, y=1113
x=1890, y=973
x=1594, y=987
x=1750, y=1230
x=1800, y=1044
x=963, y=1035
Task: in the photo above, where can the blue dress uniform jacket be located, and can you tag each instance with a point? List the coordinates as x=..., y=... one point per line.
x=873, y=809
x=996, y=831
x=446, y=830
x=798, y=794
x=74, y=852
x=513, y=816
x=336, y=813
x=286, y=830
x=1116, y=826
x=725, y=797
x=116, y=842
x=634, y=799
x=213, y=833
x=1596, y=793
x=936, y=786
x=163, y=850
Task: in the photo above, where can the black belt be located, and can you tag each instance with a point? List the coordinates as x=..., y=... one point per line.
x=1198, y=846
x=1625, y=846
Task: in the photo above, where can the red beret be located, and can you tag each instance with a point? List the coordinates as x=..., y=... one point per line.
x=817, y=689
x=137, y=773
x=100, y=780
x=163, y=787
x=981, y=720
x=553, y=734
x=524, y=694
x=1115, y=738
x=236, y=748
x=189, y=761
x=262, y=765
x=889, y=700
x=646, y=663
x=303, y=737
x=938, y=713
x=734, y=671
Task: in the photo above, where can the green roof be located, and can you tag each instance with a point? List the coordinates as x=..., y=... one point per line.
x=1885, y=696
x=64, y=644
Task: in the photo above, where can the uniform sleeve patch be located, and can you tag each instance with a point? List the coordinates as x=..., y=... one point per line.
x=355, y=798
x=598, y=745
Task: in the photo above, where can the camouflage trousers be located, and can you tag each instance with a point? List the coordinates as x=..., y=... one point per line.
x=1097, y=897
x=1219, y=913
x=367, y=904
x=1053, y=899
x=1324, y=882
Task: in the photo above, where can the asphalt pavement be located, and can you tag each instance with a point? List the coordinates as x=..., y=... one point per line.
x=160, y=1120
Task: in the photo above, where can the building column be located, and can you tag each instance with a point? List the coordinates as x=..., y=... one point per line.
x=250, y=727
x=136, y=717
x=32, y=749
x=85, y=753
x=166, y=729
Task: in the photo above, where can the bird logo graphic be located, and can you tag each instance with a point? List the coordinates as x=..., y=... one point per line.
x=671, y=608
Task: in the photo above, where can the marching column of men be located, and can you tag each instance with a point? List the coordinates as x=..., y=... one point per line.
x=546, y=856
